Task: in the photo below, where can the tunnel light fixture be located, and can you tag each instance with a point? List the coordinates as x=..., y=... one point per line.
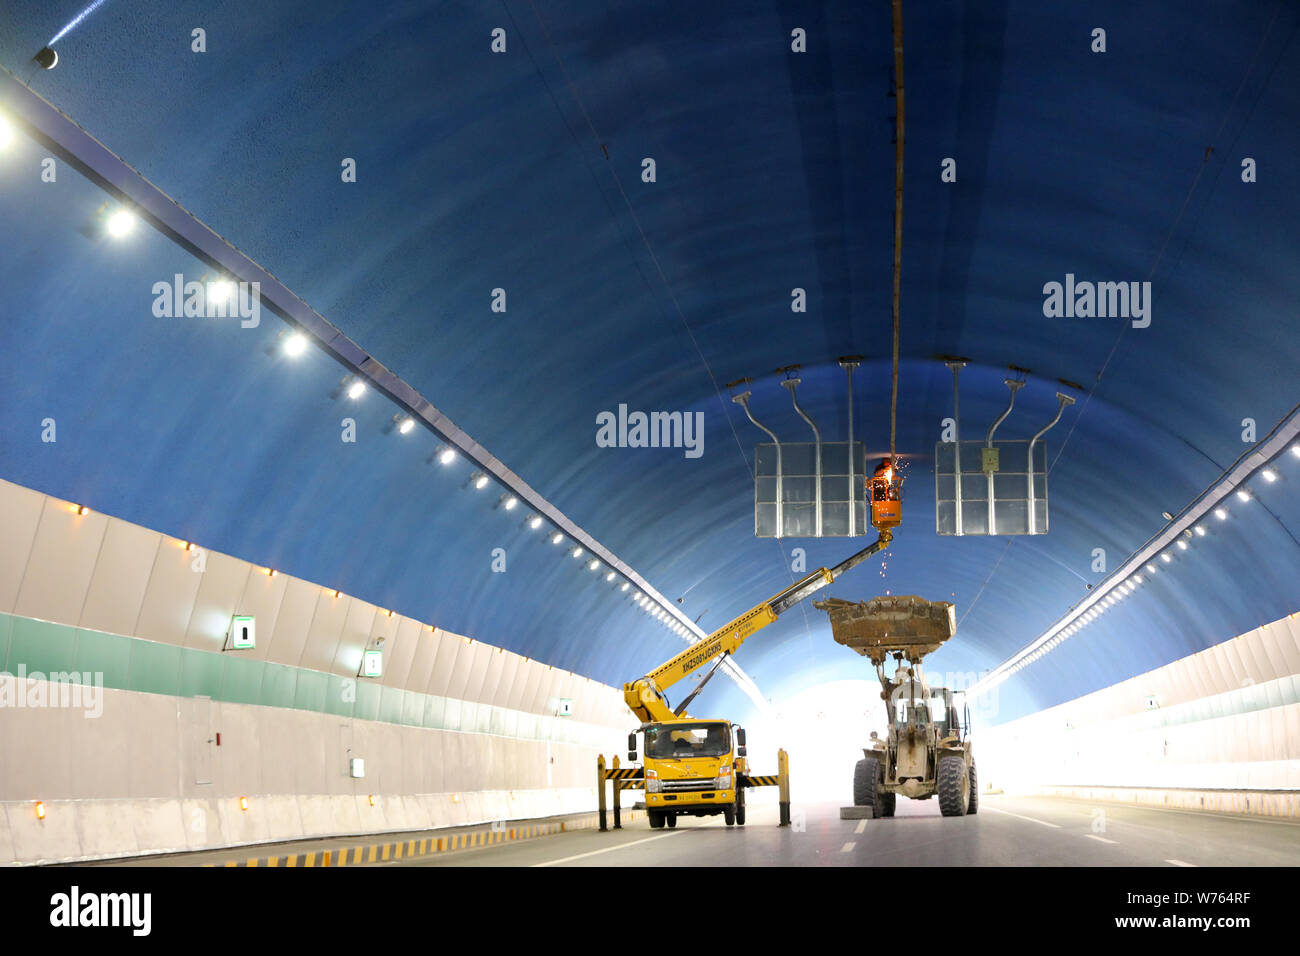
x=295, y=345
x=557, y=538
x=1151, y=568
x=406, y=426
x=338, y=593
x=577, y=552
x=219, y=291
x=356, y=389
x=479, y=480
x=40, y=809
x=507, y=501
x=1295, y=450
x=535, y=522
x=446, y=456
x=594, y=565
x=243, y=803
x=6, y=133
x=81, y=509
x=1200, y=530
x=1221, y=514
x=625, y=586
x=1243, y=495
x=1269, y=475
x=610, y=576
x=1165, y=557
x=1182, y=545
x=120, y=223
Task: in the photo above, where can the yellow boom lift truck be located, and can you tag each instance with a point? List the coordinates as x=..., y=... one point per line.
x=697, y=767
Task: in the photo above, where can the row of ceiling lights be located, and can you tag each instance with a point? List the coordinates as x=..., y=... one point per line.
x=120, y=223
x=1122, y=589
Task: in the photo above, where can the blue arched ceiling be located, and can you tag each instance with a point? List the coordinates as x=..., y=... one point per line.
x=521, y=171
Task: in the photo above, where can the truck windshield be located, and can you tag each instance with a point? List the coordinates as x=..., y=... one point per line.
x=683, y=741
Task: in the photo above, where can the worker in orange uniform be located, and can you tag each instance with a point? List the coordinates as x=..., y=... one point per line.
x=885, y=487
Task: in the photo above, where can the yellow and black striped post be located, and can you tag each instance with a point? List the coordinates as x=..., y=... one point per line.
x=600, y=789
x=618, y=797
x=783, y=782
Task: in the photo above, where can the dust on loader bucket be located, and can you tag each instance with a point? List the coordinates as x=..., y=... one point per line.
x=906, y=624
x=926, y=750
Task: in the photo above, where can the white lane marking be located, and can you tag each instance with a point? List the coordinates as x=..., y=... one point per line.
x=1042, y=823
x=1180, y=863
x=862, y=827
x=608, y=849
x=847, y=848
x=1093, y=836
x=1240, y=817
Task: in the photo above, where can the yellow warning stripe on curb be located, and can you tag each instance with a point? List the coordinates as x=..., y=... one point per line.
x=413, y=849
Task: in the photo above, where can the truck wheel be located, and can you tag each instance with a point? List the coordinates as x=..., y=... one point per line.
x=740, y=808
x=656, y=818
x=953, y=785
x=672, y=821
x=867, y=780
x=974, y=803
x=890, y=800
x=729, y=815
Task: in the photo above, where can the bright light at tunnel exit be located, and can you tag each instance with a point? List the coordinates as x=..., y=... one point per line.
x=824, y=729
x=6, y=133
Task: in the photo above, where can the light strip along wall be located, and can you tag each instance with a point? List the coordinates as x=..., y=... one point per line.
x=55, y=129
x=1283, y=435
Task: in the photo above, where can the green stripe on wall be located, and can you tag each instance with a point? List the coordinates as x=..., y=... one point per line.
x=130, y=663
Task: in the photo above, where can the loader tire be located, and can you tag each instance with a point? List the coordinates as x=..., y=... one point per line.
x=867, y=778
x=974, y=803
x=729, y=816
x=672, y=821
x=656, y=818
x=740, y=808
x=890, y=800
x=954, y=786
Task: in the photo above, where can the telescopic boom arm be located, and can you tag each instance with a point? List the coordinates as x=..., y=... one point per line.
x=646, y=697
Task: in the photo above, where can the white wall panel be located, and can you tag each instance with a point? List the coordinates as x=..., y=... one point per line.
x=401, y=635
x=20, y=514
x=326, y=629
x=169, y=598
x=59, y=568
x=286, y=641
x=444, y=662
x=120, y=576
x=263, y=596
x=220, y=585
x=420, y=672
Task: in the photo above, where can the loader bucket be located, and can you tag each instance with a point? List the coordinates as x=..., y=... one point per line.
x=905, y=623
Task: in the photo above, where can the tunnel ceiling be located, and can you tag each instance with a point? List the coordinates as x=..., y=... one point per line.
x=522, y=171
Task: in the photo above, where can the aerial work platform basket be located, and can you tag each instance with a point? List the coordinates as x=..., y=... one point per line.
x=905, y=623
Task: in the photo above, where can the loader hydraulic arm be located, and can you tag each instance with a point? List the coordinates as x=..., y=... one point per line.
x=646, y=697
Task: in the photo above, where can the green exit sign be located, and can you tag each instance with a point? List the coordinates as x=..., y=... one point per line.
x=372, y=664
x=243, y=632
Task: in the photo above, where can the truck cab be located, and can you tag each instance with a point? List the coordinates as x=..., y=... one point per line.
x=691, y=767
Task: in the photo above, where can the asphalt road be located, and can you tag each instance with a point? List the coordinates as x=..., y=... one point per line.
x=1007, y=831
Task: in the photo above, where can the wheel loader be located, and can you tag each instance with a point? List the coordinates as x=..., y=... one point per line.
x=925, y=751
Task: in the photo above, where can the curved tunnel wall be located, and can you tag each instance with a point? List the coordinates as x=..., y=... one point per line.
x=123, y=748
x=1218, y=730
